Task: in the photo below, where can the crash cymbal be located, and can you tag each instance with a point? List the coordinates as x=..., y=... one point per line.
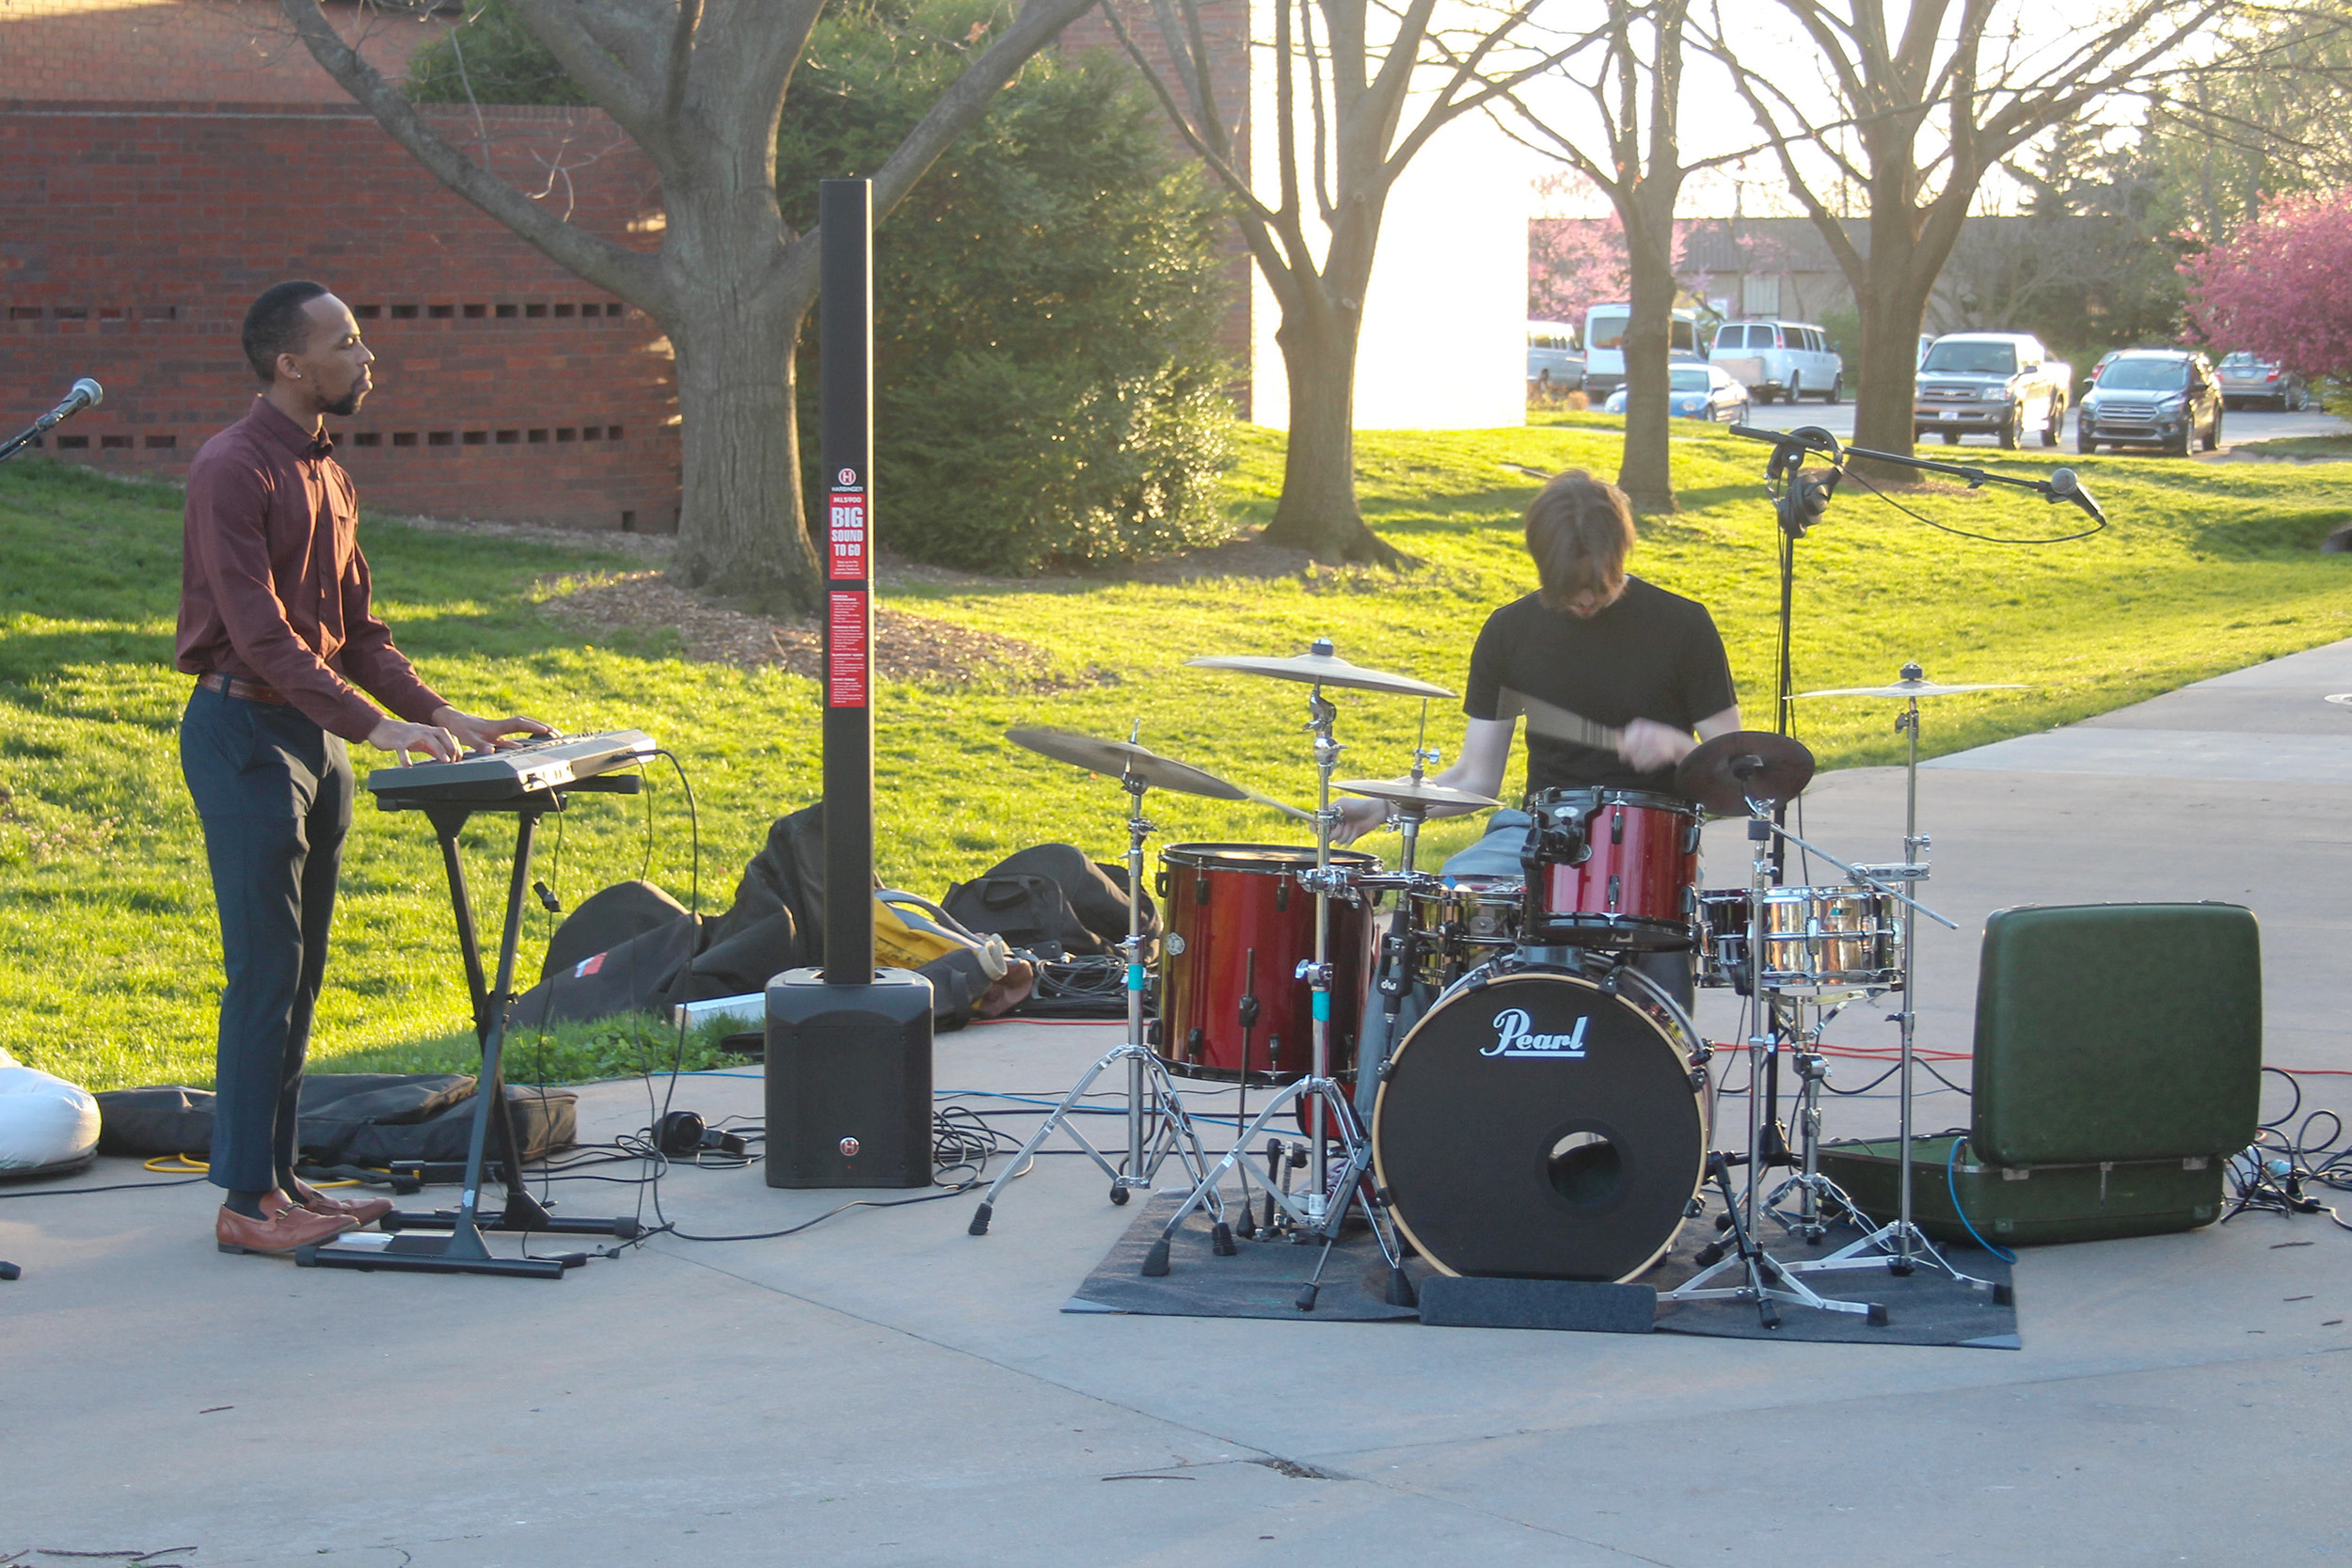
x=1404, y=792
x=1117, y=757
x=1915, y=689
x=1322, y=665
x=1726, y=772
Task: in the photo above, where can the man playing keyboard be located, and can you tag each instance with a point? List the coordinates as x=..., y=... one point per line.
x=277, y=626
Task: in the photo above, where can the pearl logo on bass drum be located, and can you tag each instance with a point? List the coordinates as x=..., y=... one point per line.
x=1513, y=1038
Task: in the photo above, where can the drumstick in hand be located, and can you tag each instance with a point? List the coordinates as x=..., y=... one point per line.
x=1558, y=723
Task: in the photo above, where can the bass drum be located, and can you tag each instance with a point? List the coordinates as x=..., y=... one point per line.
x=1534, y=1125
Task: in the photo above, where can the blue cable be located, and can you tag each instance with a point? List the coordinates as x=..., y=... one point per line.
x=1951, y=1181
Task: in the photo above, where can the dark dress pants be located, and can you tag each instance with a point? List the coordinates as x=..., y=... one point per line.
x=274, y=791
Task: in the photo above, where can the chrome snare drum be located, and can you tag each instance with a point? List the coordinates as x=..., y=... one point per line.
x=1461, y=923
x=1817, y=940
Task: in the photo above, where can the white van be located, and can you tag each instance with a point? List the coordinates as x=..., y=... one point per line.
x=1604, y=345
x=1790, y=359
x=1555, y=362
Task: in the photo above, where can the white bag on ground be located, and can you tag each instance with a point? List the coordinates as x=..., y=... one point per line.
x=45, y=1122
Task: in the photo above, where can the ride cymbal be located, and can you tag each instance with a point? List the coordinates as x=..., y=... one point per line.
x=1404, y=792
x=1725, y=773
x=1323, y=667
x=1915, y=689
x=1120, y=757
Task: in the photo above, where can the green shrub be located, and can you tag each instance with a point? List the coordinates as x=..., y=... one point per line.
x=1048, y=387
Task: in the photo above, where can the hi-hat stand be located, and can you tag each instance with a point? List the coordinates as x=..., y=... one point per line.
x=1151, y=1099
x=1321, y=1211
x=1764, y=1279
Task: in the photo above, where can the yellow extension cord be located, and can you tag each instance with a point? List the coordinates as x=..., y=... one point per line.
x=181, y=1164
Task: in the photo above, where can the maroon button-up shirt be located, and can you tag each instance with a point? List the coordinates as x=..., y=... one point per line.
x=273, y=586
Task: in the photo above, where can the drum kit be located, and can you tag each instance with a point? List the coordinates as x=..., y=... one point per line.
x=1488, y=1069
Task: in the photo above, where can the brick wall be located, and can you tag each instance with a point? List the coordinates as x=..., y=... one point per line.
x=507, y=388
x=211, y=50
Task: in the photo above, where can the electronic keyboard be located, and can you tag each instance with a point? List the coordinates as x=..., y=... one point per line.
x=511, y=772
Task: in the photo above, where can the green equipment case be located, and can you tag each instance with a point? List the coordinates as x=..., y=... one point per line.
x=2117, y=1067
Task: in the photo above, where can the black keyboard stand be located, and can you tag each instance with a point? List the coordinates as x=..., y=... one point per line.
x=461, y=1251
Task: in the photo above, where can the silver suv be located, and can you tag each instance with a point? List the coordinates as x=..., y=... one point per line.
x=2157, y=397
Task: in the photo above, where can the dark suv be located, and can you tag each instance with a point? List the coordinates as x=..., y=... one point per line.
x=2154, y=397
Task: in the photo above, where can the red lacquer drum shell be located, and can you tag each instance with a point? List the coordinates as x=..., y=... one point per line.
x=1237, y=923
x=1612, y=868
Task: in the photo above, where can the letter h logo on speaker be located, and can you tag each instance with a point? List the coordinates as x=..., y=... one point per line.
x=1515, y=1036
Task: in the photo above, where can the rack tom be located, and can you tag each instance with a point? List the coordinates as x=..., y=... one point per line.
x=1610, y=868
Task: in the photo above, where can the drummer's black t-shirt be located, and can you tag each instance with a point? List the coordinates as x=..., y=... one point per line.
x=1651, y=655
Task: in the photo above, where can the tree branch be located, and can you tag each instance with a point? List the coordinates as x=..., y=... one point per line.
x=629, y=274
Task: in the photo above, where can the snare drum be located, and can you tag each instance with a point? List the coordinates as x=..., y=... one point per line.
x=1460, y=924
x=1237, y=923
x=1817, y=940
x=1610, y=868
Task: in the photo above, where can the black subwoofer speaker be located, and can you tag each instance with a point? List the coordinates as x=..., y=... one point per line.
x=848, y=1081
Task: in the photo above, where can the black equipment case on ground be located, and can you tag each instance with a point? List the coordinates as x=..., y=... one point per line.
x=2118, y=1065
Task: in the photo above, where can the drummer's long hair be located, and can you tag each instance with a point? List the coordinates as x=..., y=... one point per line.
x=1578, y=529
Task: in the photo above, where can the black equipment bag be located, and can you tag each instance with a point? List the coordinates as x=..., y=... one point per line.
x=1015, y=899
x=358, y=1119
x=605, y=920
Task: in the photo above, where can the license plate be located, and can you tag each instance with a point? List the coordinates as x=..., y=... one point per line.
x=1947, y=414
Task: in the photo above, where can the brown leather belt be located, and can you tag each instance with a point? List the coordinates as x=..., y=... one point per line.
x=232, y=686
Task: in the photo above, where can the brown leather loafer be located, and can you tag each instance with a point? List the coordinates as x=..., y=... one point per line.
x=281, y=1231
x=359, y=1210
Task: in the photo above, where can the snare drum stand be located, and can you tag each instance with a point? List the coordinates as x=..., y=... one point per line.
x=1900, y=1245
x=1150, y=1093
x=1322, y=1210
x=1768, y=1280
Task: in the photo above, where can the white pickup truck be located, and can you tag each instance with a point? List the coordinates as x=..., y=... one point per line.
x=1997, y=383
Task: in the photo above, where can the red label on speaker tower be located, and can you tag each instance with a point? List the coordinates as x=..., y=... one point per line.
x=845, y=534
x=846, y=661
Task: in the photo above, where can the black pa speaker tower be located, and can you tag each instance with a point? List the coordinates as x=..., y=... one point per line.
x=848, y=1081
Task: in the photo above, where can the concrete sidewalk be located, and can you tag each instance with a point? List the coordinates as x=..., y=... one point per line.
x=885, y=1389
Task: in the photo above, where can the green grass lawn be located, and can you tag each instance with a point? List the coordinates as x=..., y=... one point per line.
x=111, y=957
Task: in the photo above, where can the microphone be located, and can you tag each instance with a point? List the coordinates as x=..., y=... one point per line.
x=86, y=394
x=2062, y=485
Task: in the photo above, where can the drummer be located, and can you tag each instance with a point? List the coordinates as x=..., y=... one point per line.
x=1592, y=650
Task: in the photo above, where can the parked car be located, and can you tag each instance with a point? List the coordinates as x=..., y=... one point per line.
x=1555, y=361
x=1777, y=359
x=2248, y=379
x=1604, y=344
x=1697, y=392
x=2157, y=397
x=2101, y=368
x=2001, y=383
x=1927, y=341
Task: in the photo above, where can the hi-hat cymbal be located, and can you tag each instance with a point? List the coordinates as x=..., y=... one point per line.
x=1915, y=689
x=1323, y=667
x=1116, y=757
x=1725, y=773
x=1404, y=792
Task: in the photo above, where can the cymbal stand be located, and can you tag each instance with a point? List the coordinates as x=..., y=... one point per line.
x=1153, y=1101
x=1899, y=1244
x=1321, y=1210
x=1765, y=1279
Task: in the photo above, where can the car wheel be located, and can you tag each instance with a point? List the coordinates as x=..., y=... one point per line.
x=2055, y=427
x=1951, y=437
x=2299, y=400
x=2083, y=441
x=1796, y=388
x=2014, y=430
x=2177, y=446
x=1836, y=393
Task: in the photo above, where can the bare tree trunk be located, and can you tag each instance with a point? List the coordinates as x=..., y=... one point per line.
x=1645, y=472
x=1318, y=511
x=741, y=526
x=1890, y=356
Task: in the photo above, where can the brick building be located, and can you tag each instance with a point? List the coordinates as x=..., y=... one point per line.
x=166, y=162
